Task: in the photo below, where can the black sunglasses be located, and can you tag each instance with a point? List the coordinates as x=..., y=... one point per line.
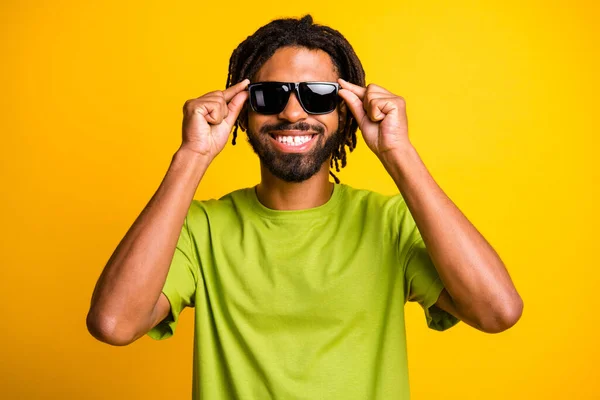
x=315, y=97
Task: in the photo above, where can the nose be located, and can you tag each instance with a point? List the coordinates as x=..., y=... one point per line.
x=293, y=111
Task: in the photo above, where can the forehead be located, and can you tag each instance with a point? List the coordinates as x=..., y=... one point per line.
x=298, y=64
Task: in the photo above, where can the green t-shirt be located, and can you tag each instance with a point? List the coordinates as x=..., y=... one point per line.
x=304, y=304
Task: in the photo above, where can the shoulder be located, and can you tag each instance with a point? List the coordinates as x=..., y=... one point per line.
x=373, y=202
x=389, y=214
x=229, y=205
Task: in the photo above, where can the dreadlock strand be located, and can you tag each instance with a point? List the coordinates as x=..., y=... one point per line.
x=335, y=178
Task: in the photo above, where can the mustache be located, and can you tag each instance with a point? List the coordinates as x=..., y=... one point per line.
x=298, y=126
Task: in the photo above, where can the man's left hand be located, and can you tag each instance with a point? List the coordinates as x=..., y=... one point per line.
x=381, y=116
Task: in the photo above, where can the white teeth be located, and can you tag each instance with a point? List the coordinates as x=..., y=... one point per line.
x=293, y=140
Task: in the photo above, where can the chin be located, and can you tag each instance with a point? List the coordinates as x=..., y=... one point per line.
x=293, y=167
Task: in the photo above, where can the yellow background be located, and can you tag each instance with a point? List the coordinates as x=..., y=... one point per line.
x=502, y=100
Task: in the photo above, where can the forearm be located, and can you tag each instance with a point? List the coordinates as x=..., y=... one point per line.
x=133, y=278
x=472, y=272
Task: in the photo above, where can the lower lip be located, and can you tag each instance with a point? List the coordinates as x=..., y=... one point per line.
x=286, y=148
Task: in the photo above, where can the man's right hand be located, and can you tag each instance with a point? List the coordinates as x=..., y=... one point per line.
x=209, y=119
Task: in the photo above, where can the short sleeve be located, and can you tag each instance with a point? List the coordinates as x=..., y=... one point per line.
x=423, y=285
x=180, y=285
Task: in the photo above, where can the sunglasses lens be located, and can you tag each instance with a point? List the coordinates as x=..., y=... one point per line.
x=269, y=98
x=319, y=98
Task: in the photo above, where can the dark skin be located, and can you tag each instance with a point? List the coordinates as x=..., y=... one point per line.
x=128, y=302
x=296, y=65
x=478, y=289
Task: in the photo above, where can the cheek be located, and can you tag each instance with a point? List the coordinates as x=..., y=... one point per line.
x=255, y=121
x=331, y=121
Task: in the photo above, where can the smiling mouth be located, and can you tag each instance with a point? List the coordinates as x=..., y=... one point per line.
x=293, y=140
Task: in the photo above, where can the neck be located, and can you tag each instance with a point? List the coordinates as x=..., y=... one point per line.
x=277, y=194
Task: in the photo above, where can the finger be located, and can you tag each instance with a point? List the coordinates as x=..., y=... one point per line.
x=374, y=92
x=370, y=96
x=211, y=111
x=377, y=95
x=221, y=100
x=359, y=91
x=217, y=97
x=373, y=88
x=235, y=106
x=354, y=104
x=379, y=108
x=231, y=91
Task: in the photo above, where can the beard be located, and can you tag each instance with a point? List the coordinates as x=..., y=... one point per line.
x=293, y=167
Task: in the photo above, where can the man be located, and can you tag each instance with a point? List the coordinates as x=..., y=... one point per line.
x=299, y=284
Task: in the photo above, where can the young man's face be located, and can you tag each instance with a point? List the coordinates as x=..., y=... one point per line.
x=270, y=135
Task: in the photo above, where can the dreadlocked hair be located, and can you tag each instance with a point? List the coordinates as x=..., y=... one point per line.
x=252, y=53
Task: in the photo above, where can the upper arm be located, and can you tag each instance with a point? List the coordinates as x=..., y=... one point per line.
x=422, y=283
x=162, y=309
x=179, y=289
x=446, y=303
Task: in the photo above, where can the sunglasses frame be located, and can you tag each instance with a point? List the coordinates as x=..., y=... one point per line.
x=295, y=88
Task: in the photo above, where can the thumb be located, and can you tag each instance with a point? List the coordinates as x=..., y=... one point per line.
x=354, y=104
x=235, y=106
